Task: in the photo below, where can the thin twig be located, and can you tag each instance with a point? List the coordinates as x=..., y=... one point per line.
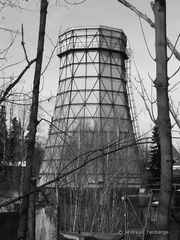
x=9, y=30
x=174, y=86
x=6, y=50
x=23, y=44
x=175, y=73
x=145, y=40
x=143, y=92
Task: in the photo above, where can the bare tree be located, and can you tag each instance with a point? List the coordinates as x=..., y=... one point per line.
x=163, y=119
x=27, y=220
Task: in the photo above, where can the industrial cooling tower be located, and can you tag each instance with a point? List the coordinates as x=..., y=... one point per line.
x=92, y=115
x=91, y=143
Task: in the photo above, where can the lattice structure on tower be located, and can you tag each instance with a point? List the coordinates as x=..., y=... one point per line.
x=91, y=129
x=133, y=110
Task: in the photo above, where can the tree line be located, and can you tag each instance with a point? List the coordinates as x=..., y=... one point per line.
x=11, y=140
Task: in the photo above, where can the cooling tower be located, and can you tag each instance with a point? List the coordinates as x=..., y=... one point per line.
x=91, y=124
x=91, y=143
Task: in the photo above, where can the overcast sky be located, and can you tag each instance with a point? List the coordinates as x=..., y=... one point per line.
x=92, y=12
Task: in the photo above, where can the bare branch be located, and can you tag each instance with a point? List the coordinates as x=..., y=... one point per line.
x=143, y=93
x=5, y=51
x=175, y=73
x=11, y=65
x=140, y=14
x=58, y=129
x=10, y=87
x=50, y=58
x=171, y=47
x=23, y=43
x=9, y=30
x=174, y=46
x=151, y=23
x=145, y=40
x=174, y=84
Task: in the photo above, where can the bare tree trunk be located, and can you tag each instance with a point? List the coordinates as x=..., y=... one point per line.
x=27, y=220
x=163, y=120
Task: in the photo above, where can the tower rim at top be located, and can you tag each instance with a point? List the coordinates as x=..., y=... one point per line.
x=92, y=38
x=76, y=28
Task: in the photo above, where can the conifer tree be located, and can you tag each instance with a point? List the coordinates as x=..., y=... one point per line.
x=15, y=142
